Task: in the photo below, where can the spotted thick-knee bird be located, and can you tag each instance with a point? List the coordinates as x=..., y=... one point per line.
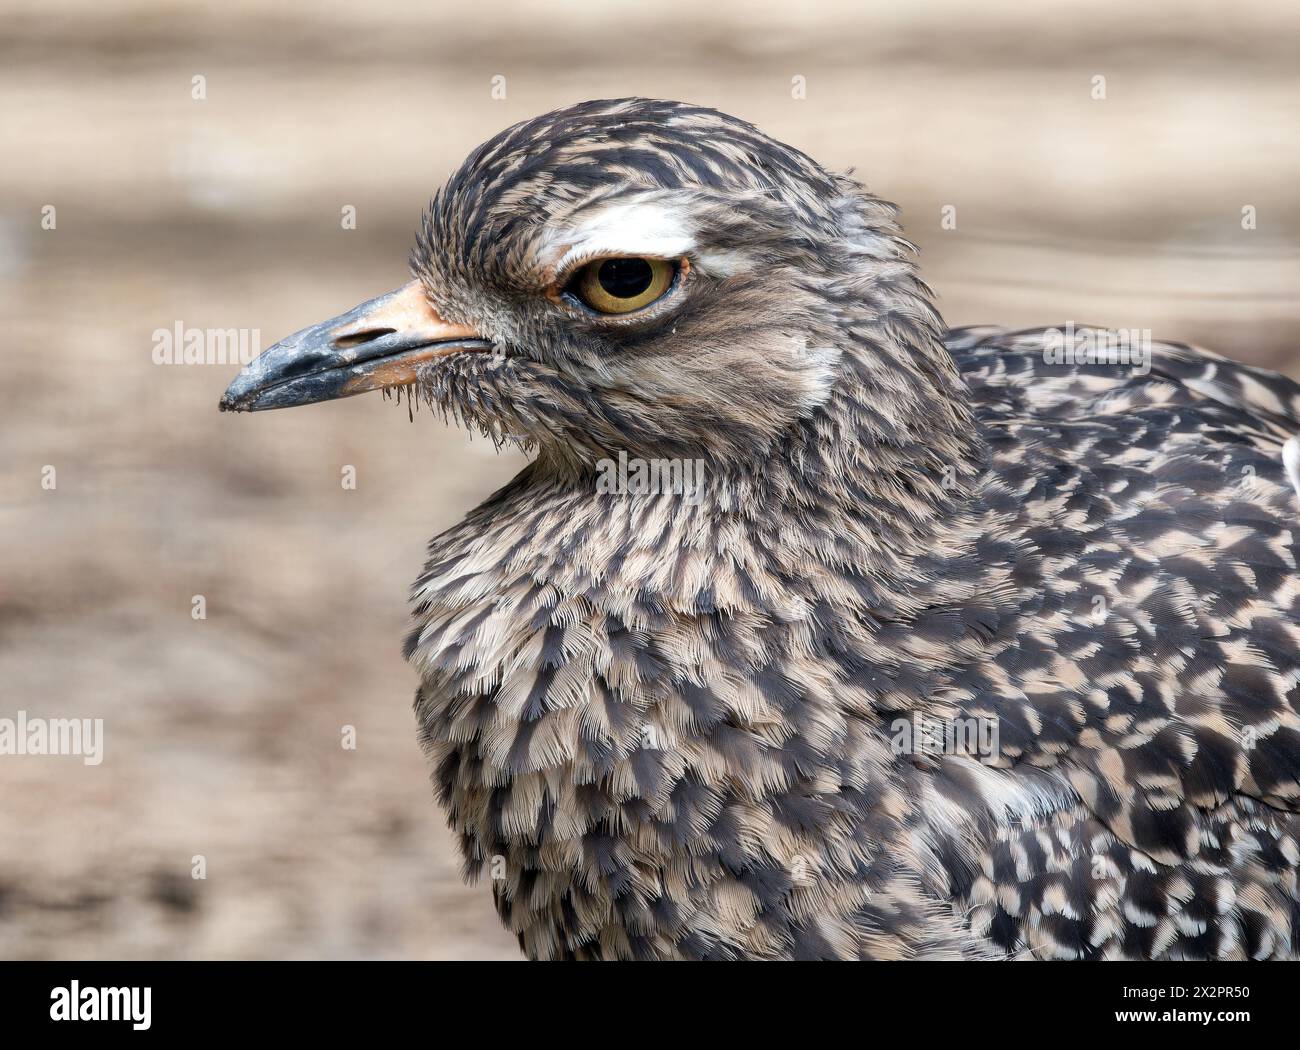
x=812, y=629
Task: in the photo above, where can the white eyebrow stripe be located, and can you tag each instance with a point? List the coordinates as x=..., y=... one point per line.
x=723, y=263
x=654, y=230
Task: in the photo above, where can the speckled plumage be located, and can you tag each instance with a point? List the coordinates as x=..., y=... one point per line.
x=662, y=727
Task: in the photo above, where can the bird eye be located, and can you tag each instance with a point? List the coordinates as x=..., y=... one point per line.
x=619, y=286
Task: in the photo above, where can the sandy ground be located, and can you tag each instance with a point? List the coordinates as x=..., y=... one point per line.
x=223, y=735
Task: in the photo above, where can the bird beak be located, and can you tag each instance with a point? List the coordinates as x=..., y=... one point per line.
x=381, y=343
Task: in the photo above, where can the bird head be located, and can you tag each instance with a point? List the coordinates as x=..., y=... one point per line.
x=637, y=276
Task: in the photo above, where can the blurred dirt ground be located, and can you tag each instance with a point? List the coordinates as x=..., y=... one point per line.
x=223, y=735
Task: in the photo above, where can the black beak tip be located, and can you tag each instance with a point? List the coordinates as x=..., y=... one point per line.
x=242, y=395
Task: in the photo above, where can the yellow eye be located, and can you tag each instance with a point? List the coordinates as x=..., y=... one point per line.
x=619, y=286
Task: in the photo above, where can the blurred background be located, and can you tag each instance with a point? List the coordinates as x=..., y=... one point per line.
x=223, y=735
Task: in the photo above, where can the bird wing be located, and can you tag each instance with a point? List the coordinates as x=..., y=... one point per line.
x=1154, y=662
x=1018, y=366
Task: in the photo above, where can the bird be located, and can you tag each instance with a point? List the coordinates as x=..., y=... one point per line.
x=814, y=629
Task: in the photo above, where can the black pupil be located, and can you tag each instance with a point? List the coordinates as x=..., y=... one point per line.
x=625, y=278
